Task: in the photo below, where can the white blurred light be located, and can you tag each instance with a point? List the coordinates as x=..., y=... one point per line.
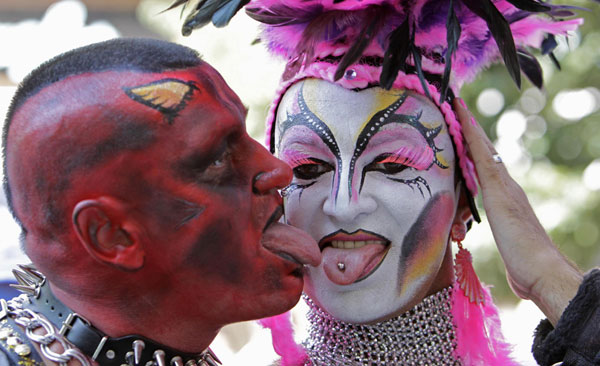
x=552, y=213
x=65, y=14
x=564, y=47
x=511, y=125
x=510, y=150
x=28, y=43
x=6, y=93
x=490, y=102
x=532, y=101
x=573, y=105
x=591, y=175
x=536, y=127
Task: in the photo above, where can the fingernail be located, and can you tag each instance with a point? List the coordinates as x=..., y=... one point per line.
x=462, y=103
x=473, y=122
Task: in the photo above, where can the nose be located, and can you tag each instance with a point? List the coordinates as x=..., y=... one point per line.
x=344, y=209
x=274, y=174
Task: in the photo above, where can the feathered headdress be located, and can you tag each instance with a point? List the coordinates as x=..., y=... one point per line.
x=430, y=46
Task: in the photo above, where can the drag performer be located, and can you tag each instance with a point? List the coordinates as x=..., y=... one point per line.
x=149, y=214
x=383, y=181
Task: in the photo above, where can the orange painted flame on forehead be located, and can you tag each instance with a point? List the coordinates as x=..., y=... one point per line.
x=168, y=96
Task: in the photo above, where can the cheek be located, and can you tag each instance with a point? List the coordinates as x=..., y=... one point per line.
x=425, y=243
x=223, y=238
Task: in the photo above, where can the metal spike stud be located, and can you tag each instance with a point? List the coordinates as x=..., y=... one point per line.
x=176, y=361
x=213, y=355
x=159, y=356
x=24, y=289
x=129, y=358
x=138, y=347
x=209, y=360
x=191, y=363
x=32, y=272
x=23, y=278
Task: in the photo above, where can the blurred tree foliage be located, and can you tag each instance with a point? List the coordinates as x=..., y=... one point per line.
x=559, y=154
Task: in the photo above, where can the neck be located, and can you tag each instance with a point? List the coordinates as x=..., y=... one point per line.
x=422, y=335
x=121, y=318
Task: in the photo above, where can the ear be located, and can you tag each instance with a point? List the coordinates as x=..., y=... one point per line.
x=463, y=214
x=108, y=233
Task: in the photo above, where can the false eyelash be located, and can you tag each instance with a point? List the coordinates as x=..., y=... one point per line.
x=412, y=183
x=301, y=161
x=419, y=159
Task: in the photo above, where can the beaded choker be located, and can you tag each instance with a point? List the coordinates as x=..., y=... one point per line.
x=423, y=335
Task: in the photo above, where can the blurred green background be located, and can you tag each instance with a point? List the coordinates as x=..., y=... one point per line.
x=551, y=138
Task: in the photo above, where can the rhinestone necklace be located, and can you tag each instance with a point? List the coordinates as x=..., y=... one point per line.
x=423, y=335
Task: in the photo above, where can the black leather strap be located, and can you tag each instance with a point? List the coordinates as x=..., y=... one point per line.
x=105, y=350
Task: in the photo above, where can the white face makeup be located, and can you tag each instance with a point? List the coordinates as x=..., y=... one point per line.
x=374, y=185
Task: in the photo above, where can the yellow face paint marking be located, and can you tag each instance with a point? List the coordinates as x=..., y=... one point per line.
x=168, y=96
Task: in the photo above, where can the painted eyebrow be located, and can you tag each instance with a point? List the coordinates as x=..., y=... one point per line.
x=310, y=120
x=385, y=117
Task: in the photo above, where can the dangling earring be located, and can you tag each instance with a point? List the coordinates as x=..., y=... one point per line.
x=463, y=266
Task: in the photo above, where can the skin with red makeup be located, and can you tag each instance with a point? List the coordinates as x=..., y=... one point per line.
x=374, y=183
x=144, y=201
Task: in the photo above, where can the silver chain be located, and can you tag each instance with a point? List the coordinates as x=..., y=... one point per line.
x=30, y=320
x=424, y=335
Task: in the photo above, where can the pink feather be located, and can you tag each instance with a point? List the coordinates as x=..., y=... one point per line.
x=292, y=354
x=478, y=331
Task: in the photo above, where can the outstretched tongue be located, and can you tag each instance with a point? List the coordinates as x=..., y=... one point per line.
x=287, y=240
x=355, y=263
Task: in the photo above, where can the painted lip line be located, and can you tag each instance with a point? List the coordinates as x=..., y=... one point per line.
x=356, y=236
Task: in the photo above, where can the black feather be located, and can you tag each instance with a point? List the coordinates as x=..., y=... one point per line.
x=531, y=67
x=452, y=36
x=206, y=10
x=395, y=55
x=417, y=60
x=222, y=16
x=530, y=5
x=501, y=32
x=175, y=4
x=548, y=44
x=554, y=60
x=369, y=30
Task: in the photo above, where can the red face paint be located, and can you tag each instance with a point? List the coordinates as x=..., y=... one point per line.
x=189, y=172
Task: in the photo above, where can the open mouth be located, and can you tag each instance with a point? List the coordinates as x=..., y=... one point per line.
x=352, y=257
x=342, y=239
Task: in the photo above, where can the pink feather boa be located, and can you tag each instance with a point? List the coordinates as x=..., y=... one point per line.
x=478, y=334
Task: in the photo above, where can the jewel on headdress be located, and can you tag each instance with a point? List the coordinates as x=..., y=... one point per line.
x=350, y=74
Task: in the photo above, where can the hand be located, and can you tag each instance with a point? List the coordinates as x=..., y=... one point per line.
x=535, y=269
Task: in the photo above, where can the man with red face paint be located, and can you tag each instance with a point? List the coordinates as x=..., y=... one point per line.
x=148, y=212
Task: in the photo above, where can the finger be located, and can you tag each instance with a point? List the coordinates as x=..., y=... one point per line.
x=473, y=134
x=482, y=149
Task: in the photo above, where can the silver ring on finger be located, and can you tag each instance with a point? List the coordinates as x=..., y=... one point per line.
x=497, y=158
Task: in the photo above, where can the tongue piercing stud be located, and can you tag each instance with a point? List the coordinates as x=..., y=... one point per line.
x=341, y=266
